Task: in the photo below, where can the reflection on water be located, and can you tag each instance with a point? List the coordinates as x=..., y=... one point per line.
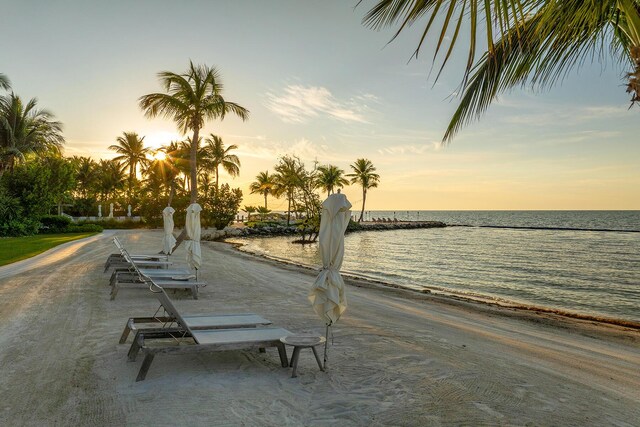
x=595, y=273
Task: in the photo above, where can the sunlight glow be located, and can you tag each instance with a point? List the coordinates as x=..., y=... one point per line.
x=160, y=155
x=156, y=140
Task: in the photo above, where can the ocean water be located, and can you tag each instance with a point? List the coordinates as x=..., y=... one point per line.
x=564, y=260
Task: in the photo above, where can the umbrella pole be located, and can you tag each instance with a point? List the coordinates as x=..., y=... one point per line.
x=326, y=342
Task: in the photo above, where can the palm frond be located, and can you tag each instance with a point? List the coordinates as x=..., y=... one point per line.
x=541, y=51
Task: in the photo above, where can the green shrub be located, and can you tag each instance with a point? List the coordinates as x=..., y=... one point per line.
x=19, y=227
x=84, y=228
x=10, y=208
x=221, y=207
x=353, y=226
x=114, y=224
x=260, y=224
x=51, y=224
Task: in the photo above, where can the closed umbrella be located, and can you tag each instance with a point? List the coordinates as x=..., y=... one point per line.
x=192, y=245
x=327, y=295
x=168, y=241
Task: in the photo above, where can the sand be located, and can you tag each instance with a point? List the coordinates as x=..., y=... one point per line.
x=397, y=357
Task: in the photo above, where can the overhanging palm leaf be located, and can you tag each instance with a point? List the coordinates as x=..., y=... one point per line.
x=539, y=43
x=541, y=52
x=4, y=82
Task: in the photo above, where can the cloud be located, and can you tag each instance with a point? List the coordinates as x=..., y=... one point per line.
x=300, y=103
x=304, y=148
x=566, y=115
x=411, y=149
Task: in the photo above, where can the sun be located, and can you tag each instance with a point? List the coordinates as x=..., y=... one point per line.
x=160, y=155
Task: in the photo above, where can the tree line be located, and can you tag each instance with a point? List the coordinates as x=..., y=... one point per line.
x=35, y=178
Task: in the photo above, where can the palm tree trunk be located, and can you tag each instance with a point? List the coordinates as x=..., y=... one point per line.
x=364, y=199
x=216, y=178
x=265, y=200
x=193, y=180
x=172, y=193
x=289, y=212
x=131, y=172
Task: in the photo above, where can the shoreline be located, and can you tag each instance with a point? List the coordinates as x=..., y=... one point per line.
x=444, y=295
x=396, y=357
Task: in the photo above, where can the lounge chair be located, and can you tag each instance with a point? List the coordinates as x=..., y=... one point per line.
x=131, y=265
x=150, y=260
x=136, y=278
x=202, y=340
x=171, y=317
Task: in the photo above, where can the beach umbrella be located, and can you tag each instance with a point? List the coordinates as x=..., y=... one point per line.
x=327, y=295
x=168, y=241
x=192, y=244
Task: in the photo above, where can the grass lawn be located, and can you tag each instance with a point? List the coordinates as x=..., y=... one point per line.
x=14, y=249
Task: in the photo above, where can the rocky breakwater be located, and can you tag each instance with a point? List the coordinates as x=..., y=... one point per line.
x=282, y=230
x=400, y=225
x=227, y=232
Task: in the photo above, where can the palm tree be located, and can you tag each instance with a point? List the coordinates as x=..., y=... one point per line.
x=111, y=179
x=330, y=177
x=4, y=82
x=364, y=175
x=85, y=175
x=132, y=153
x=263, y=184
x=249, y=210
x=191, y=99
x=179, y=153
x=539, y=42
x=161, y=173
x=263, y=212
x=216, y=155
x=287, y=180
x=25, y=130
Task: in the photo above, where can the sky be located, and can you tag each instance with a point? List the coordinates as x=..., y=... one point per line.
x=320, y=85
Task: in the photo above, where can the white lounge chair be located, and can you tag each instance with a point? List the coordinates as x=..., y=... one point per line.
x=167, y=316
x=187, y=339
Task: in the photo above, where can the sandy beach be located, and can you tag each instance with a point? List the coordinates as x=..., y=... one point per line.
x=397, y=357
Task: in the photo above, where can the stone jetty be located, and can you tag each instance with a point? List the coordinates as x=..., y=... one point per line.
x=283, y=230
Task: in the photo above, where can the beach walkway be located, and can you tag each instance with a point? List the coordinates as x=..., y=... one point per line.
x=398, y=358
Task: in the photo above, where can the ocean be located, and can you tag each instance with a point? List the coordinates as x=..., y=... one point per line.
x=582, y=262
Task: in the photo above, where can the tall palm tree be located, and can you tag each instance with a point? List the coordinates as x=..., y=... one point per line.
x=538, y=42
x=216, y=155
x=329, y=178
x=364, y=175
x=263, y=184
x=132, y=153
x=191, y=98
x=25, y=130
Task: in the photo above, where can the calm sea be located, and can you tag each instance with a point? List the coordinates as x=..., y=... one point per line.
x=567, y=260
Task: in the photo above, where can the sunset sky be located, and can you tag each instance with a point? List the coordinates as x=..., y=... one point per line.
x=322, y=86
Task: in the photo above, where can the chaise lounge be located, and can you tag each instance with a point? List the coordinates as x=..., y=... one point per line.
x=171, y=318
x=133, y=277
x=187, y=339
